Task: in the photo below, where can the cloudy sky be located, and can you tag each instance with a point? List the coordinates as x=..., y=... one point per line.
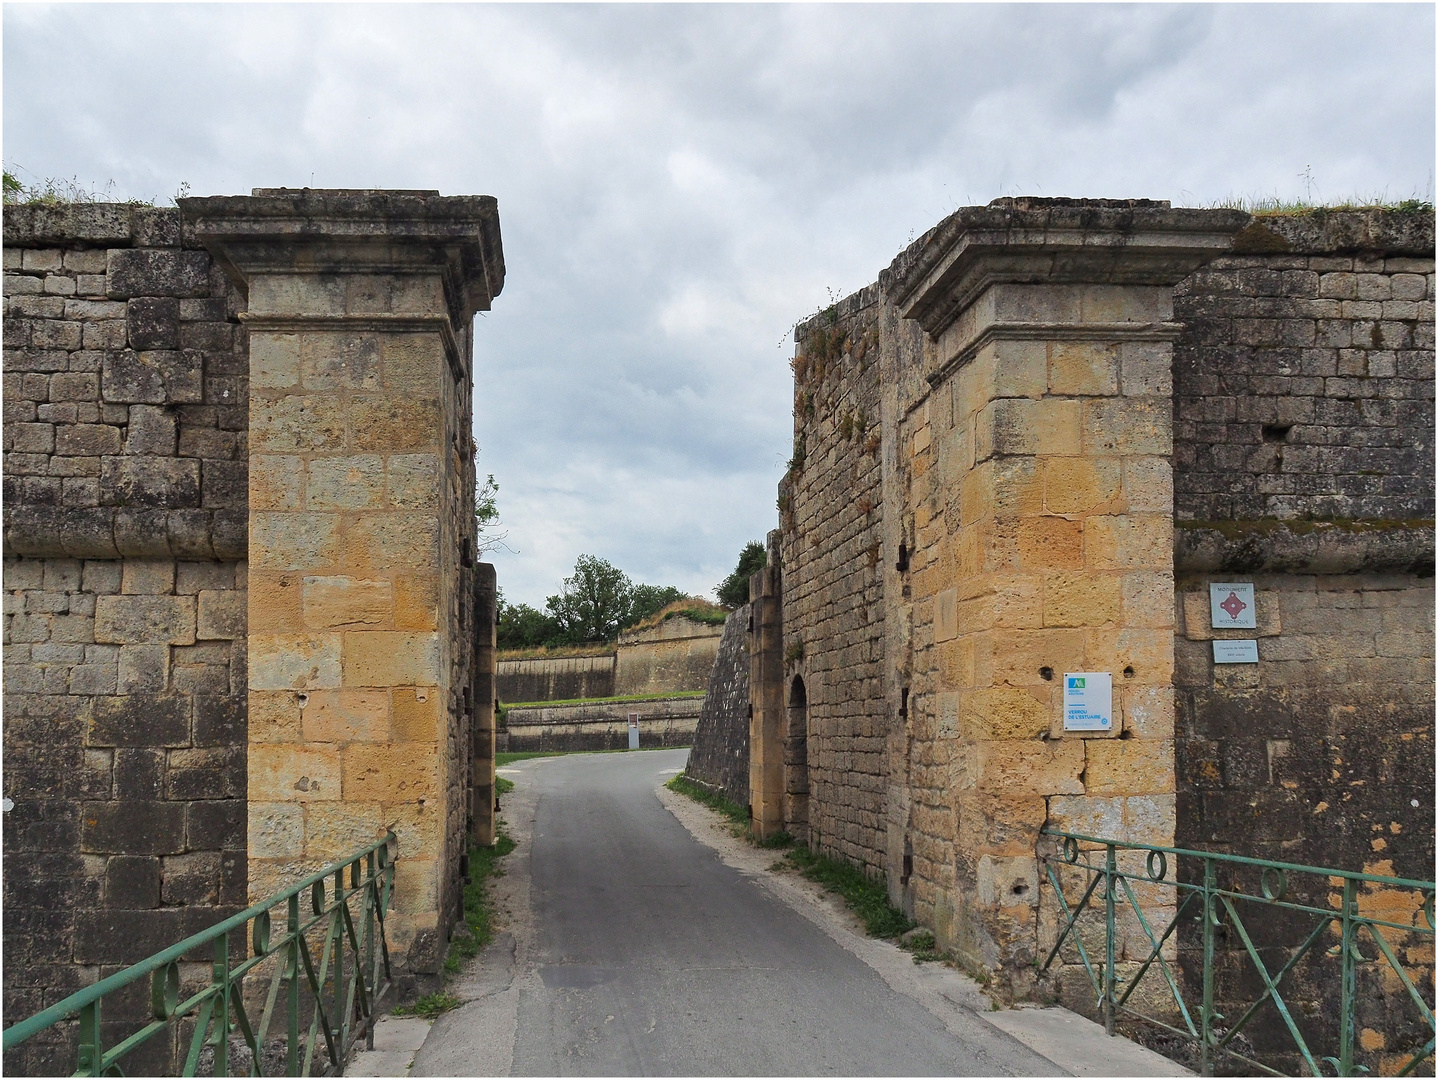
x=678, y=185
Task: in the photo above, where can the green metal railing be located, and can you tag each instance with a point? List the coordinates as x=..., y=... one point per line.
x=341, y=997
x=1211, y=892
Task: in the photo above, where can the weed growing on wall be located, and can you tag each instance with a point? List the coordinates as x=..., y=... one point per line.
x=477, y=930
x=866, y=896
x=430, y=1006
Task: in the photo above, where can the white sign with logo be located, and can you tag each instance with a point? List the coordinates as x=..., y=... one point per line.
x=1232, y=605
x=1088, y=701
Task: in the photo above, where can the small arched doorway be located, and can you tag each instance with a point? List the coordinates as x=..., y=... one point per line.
x=796, y=762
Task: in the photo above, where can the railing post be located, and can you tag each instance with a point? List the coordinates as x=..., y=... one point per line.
x=221, y=978
x=1110, y=952
x=292, y=994
x=1349, y=946
x=337, y=926
x=90, y=1055
x=1210, y=919
x=368, y=959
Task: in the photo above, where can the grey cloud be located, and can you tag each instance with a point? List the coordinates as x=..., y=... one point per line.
x=678, y=185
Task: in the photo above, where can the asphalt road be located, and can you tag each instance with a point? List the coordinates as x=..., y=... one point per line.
x=647, y=955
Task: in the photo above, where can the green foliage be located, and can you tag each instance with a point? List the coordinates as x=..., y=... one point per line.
x=594, y=602
x=523, y=627
x=477, y=930
x=777, y=840
x=503, y=786
x=486, y=514
x=733, y=591
x=867, y=897
x=647, y=600
x=431, y=1005
x=56, y=191
x=738, y=815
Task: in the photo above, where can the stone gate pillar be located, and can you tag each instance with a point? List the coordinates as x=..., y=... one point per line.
x=481, y=768
x=361, y=527
x=766, y=696
x=1042, y=510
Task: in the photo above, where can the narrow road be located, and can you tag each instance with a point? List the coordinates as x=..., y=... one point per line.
x=644, y=954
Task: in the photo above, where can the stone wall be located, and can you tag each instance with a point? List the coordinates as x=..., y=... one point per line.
x=672, y=658
x=719, y=758
x=182, y=735
x=833, y=566
x=601, y=726
x=1068, y=450
x=125, y=603
x=560, y=678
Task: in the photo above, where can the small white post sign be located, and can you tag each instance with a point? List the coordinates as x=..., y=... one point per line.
x=1242, y=651
x=1232, y=605
x=1088, y=701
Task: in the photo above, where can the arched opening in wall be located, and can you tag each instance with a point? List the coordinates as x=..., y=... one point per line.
x=796, y=762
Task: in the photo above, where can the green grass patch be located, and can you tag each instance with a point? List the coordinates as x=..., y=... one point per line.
x=430, y=1006
x=477, y=930
x=867, y=897
x=683, y=694
x=738, y=815
x=503, y=786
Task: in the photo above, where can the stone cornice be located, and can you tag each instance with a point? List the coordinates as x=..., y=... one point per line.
x=284, y=231
x=1052, y=241
x=106, y=532
x=1036, y=331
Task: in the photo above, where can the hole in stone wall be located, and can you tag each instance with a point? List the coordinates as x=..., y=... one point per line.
x=302, y=699
x=904, y=702
x=1020, y=888
x=1128, y=672
x=1047, y=674
x=903, y=564
x=1276, y=432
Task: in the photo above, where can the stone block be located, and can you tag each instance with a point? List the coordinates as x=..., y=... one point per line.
x=280, y=772
x=132, y=881
x=1004, y=714
x=1083, y=368
x=143, y=667
x=1081, y=599
x=355, y=482
x=151, y=377
x=276, y=482
x=294, y=661
x=297, y=423
x=156, y=272
x=87, y=440
x=1008, y=882
x=1082, y=486
x=1150, y=819
x=347, y=602
x=274, y=360
x=1129, y=542
x=150, y=482
x=1025, y=426
x=215, y=824
x=946, y=615
x=392, y=541
x=413, y=363
x=415, y=720
x=391, y=658
x=342, y=716
x=145, y=620
x=274, y=602
x=394, y=425
x=1023, y=767
x=1148, y=599
x=148, y=577
x=31, y=438
x=151, y=431
x=340, y=361
x=220, y=615
x=153, y=322
x=1129, y=426
x=335, y=829
x=1020, y=655
x=276, y=830
x=292, y=541
x=1148, y=485
x=219, y=720
x=413, y=482
x=391, y=772
x=1088, y=815
x=418, y=827
x=140, y=719
x=192, y=578
x=133, y=827
x=1129, y=767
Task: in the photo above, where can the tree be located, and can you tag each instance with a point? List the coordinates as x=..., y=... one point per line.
x=595, y=601
x=647, y=599
x=733, y=591
x=523, y=627
x=486, y=515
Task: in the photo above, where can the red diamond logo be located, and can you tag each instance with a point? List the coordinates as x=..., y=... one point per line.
x=1233, y=605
